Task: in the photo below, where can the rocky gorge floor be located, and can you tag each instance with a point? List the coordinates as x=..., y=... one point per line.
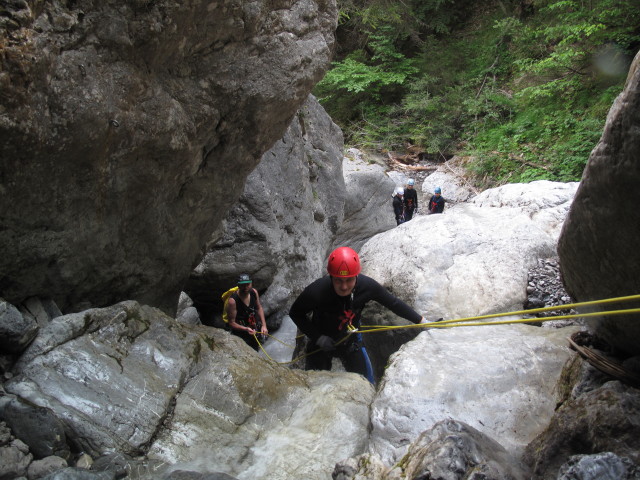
x=545, y=289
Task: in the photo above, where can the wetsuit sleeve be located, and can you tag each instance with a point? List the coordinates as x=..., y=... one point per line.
x=397, y=306
x=302, y=306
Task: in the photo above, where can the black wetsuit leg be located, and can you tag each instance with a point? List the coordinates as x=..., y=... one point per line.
x=356, y=359
x=408, y=214
x=318, y=360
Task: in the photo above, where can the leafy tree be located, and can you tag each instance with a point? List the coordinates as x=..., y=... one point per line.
x=524, y=91
x=361, y=81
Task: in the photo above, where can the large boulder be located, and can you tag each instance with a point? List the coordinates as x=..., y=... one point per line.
x=128, y=130
x=500, y=380
x=128, y=379
x=367, y=209
x=449, y=450
x=108, y=374
x=450, y=177
x=473, y=259
x=598, y=247
x=601, y=420
x=16, y=329
x=37, y=426
x=283, y=224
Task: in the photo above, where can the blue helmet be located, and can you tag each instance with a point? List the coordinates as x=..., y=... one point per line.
x=438, y=190
x=411, y=181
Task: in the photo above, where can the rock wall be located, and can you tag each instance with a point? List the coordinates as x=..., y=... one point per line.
x=280, y=229
x=368, y=208
x=598, y=247
x=127, y=131
x=129, y=380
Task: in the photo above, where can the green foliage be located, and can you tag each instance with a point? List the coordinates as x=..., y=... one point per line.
x=526, y=95
x=360, y=81
x=541, y=143
x=565, y=39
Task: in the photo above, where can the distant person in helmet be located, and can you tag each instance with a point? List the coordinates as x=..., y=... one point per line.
x=398, y=204
x=436, y=203
x=245, y=313
x=410, y=200
x=335, y=303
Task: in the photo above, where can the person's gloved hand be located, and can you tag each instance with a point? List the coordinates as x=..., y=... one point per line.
x=325, y=343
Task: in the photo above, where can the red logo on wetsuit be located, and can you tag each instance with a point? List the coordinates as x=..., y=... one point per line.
x=346, y=318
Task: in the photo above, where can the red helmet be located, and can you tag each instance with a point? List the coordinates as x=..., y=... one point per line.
x=344, y=262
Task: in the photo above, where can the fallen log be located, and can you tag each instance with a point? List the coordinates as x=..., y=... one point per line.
x=396, y=164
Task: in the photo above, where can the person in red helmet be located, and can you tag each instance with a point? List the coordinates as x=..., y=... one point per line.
x=335, y=303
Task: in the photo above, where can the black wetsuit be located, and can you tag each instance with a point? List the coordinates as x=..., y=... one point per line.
x=436, y=204
x=398, y=209
x=410, y=203
x=331, y=315
x=247, y=316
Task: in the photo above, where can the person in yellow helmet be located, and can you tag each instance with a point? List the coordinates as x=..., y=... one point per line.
x=245, y=313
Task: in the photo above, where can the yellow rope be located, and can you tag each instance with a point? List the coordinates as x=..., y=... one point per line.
x=462, y=322
x=567, y=306
x=351, y=328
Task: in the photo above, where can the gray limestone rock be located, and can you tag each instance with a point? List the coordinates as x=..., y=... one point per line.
x=268, y=421
x=453, y=450
x=186, y=475
x=14, y=455
x=129, y=380
x=42, y=468
x=450, y=177
x=601, y=420
x=499, y=380
x=40, y=309
x=362, y=467
x=16, y=330
x=280, y=229
x=367, y=209
x=129, y=130
x=598, y=247
x=601, y=466
x=108, y=374
x=73, y=473
x=450, y=450
x=475, y=260
x=38, y=427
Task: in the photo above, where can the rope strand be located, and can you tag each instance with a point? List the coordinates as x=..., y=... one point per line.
x=467, y=322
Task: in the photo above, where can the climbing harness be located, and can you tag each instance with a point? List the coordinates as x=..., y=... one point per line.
x=474, y=321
